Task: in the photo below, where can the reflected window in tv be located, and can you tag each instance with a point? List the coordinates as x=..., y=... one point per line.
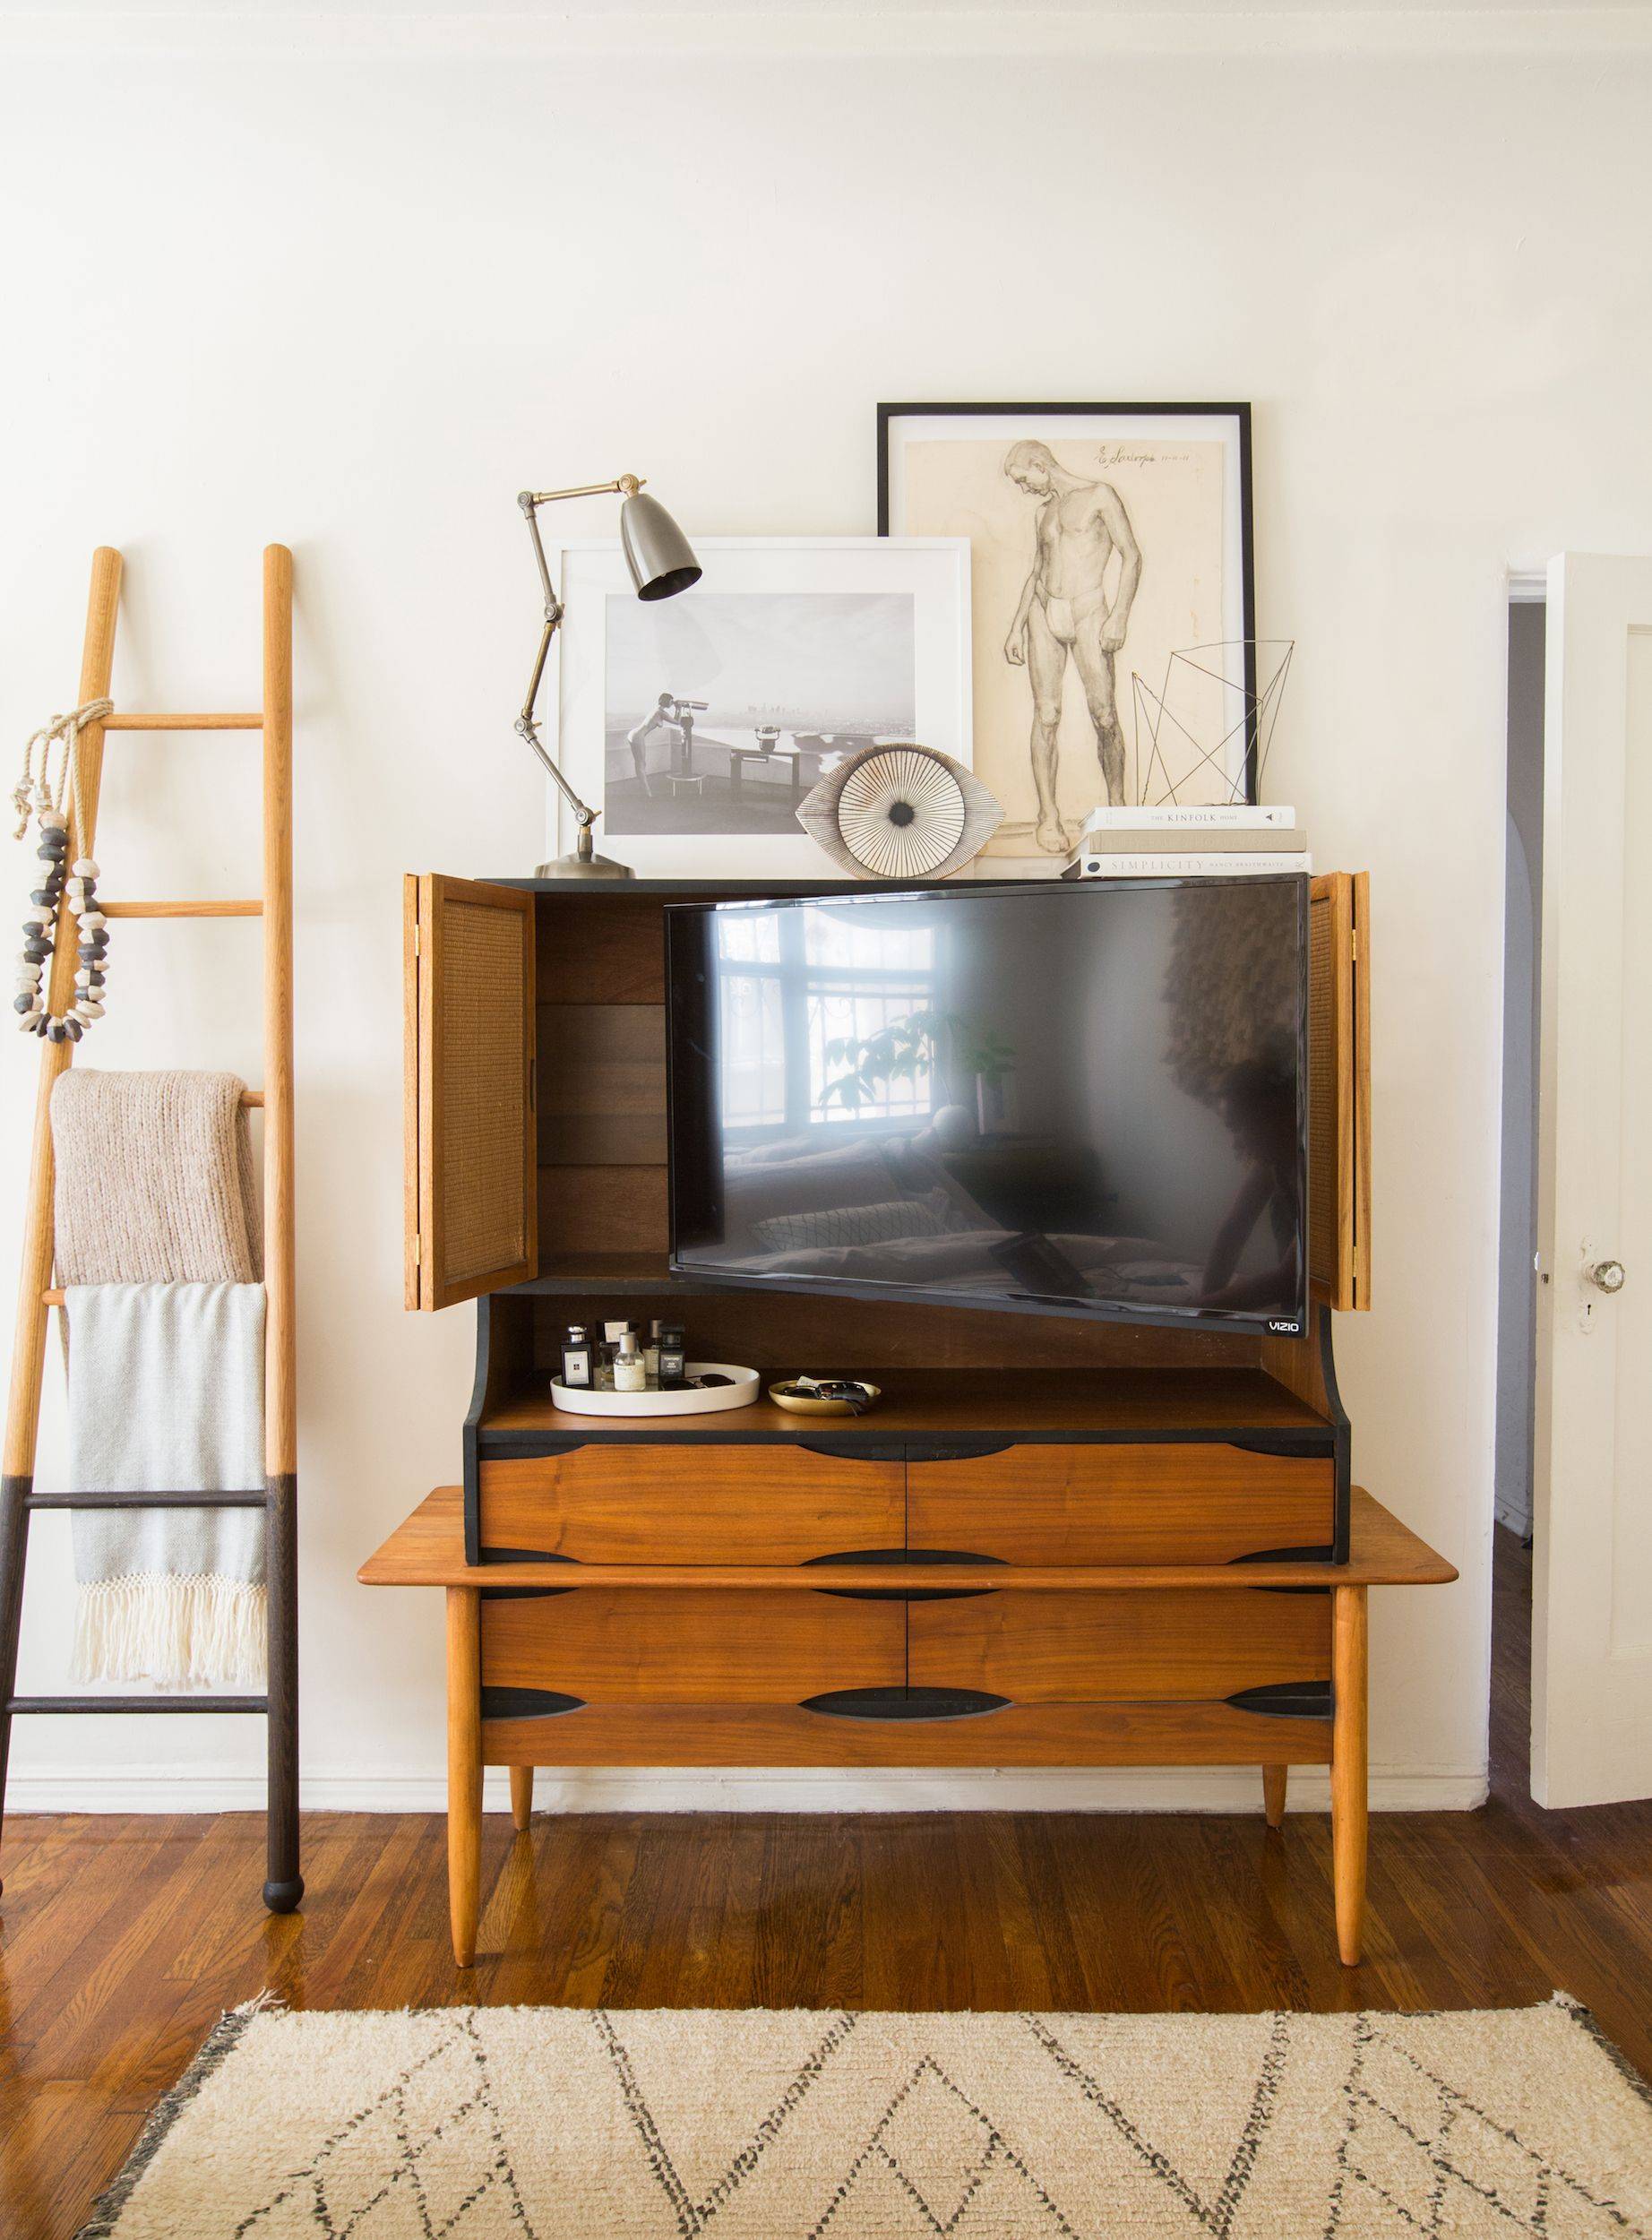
x=1088, y=1098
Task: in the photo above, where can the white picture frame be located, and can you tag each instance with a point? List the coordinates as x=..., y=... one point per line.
x=860, y=591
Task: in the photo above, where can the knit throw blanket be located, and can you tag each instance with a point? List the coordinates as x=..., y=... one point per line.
x=159, y=1254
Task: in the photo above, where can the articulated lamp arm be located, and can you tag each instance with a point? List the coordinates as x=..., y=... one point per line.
x=526, y=723
x=662, y=563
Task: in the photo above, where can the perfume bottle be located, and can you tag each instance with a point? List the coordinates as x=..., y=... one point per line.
x=612, y=1333
x=650, y=1352
x=629, y=1373
x=577, y=1358
x=673, y=1355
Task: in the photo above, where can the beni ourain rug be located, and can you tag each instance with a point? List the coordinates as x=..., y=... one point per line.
x=542, y=2123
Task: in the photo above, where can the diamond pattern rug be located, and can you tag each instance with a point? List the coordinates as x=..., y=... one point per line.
x=548, y=2123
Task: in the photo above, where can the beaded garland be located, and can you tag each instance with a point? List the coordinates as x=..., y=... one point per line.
x=59, y=879
x=81, y=886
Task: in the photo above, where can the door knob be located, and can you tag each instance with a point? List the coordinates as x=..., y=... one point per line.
x=1608, y=1275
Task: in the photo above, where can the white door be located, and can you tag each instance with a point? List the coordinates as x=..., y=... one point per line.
x=1592, y=1637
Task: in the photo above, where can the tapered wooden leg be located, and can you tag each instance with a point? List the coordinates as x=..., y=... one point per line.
x=1274, y=1779
x=521, y=1796
x=1348, y=1767
x=464, y=1767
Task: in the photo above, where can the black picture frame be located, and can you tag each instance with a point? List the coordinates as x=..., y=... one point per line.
x=1239, y=413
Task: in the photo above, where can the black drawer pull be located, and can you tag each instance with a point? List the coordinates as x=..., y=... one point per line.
x=1324, y=1554
x=1286, y=1699
x=942, y=1557
x=903, y=1703
x=959, y=1450
x=528, y=1704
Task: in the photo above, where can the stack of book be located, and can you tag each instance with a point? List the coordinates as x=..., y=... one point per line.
x=1188, y=843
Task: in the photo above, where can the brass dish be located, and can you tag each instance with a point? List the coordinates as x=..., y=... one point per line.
x=799, y=1401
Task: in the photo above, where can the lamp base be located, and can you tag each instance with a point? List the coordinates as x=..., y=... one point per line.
x=583, y=866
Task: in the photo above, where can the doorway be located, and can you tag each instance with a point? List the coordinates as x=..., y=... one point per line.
x=1511, y=1534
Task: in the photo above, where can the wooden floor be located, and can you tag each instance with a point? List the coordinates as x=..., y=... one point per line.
x=121, y=1939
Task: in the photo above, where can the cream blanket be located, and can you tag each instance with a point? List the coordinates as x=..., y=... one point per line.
x=159, y=1252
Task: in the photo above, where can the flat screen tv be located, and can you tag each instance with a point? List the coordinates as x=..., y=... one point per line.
x=1085, y=1099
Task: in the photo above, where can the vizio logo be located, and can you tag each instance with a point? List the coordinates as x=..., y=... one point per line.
x=1287, y=1330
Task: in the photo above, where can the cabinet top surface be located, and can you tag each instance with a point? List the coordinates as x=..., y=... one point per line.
x=427, y=1549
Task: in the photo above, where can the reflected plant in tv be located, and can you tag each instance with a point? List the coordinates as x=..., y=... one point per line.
x=944, y=1044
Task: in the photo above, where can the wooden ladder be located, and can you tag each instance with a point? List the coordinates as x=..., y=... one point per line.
x=283, y=1885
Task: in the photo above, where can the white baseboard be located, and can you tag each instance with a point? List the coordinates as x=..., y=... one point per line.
x=762, y=1789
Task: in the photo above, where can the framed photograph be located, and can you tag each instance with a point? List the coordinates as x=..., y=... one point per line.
x=1106, y=540
x=698, y=724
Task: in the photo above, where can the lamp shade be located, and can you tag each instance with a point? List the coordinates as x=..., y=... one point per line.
x=659, y=556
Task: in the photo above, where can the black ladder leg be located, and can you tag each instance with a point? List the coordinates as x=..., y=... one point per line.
x=14, y=1553
x=284, y=1888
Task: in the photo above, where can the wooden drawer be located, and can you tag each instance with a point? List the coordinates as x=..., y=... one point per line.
x=1172, y=1504
x=691, y=1504
x=689, y=1645
x=1140, y=1645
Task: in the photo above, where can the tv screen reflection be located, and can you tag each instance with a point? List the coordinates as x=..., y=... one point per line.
x=1090, y=1096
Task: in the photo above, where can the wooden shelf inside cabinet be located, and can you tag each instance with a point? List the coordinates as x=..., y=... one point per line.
x=578, y=1275
x=938, y=1404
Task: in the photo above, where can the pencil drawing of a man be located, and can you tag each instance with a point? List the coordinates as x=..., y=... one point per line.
x=1063, y=610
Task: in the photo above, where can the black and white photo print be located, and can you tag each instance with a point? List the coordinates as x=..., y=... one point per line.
x=721, y=712
x=699, y=725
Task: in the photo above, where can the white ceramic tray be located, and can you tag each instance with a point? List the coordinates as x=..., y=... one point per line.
x=581, y=1401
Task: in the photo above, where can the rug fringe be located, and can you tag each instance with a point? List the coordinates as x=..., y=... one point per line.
x=179, y=1630
x=265, y=2001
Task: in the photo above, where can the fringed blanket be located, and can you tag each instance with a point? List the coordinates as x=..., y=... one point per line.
x=158, y=1250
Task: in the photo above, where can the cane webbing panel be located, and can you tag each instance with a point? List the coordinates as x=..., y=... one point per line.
x=481, y=1004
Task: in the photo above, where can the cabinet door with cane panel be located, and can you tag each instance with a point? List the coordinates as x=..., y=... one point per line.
x=469, y=1125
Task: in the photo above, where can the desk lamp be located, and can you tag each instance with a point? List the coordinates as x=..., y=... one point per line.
x=661, y=563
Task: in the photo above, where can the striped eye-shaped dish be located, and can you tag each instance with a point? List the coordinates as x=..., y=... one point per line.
x=900, y=811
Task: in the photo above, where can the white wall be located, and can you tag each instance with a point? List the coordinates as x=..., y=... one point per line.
x=356, y=303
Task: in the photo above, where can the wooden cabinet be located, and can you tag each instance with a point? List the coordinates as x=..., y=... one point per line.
x=1056, y=1541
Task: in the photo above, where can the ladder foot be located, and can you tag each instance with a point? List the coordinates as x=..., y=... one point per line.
x=284, y=1896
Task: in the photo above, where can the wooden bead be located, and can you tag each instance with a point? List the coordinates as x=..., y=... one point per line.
x=84, y=869
x=91, y=919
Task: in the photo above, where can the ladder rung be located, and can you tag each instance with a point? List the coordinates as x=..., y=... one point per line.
x=250, y=722
x=20, y=1704
x=253, y=909
x=145, y=1501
